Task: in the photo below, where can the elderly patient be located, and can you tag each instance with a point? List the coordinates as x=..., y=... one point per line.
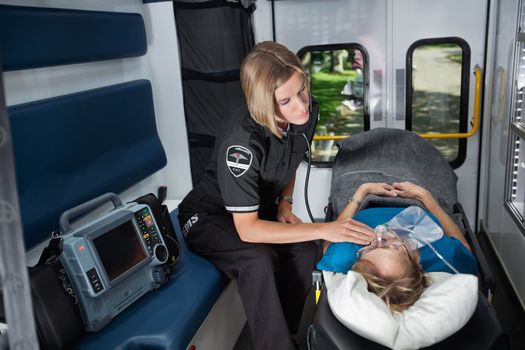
x=392, y=264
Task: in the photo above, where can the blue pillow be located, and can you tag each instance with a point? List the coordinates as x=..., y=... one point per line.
x=453, y=251
x=340, y=257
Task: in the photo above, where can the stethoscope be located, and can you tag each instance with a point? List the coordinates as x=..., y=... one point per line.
x=305, y=127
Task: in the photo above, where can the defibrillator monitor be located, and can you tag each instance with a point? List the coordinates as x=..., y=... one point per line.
x=120, y=249
x=113, y=259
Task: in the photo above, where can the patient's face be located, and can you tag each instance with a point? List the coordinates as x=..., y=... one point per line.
x=392, y=258
x=392, y=262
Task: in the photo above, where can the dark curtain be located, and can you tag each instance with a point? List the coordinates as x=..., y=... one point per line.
x=214, y=37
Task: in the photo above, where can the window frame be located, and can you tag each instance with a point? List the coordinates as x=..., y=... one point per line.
x=516, y=129
x=464, y=90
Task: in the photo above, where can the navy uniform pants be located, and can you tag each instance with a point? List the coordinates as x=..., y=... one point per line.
x=273, y=279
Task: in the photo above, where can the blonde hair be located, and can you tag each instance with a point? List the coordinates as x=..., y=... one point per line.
x=399, y=292
x=268, y=66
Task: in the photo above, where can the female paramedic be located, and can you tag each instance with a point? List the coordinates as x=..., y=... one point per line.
x=394, y=263
x=240, y=215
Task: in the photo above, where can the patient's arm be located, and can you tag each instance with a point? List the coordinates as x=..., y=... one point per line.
x=410, y=190
x=380, y=189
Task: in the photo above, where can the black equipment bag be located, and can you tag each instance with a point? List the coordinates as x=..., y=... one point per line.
x=58, y=321
x=162, y=218
x=57, y=317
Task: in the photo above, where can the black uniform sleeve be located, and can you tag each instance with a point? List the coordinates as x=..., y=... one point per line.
x=238, y=176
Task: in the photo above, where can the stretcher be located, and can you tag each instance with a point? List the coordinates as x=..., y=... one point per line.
x=389, y=155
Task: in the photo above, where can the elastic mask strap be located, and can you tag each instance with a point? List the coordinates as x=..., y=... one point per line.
x=424, y=240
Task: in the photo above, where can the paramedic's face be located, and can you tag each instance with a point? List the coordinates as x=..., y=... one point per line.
x=292, y=100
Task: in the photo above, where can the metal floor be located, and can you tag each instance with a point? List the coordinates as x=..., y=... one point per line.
x=505, y=302
x=244, y=342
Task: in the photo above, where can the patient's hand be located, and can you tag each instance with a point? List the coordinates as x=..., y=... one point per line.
x=380, y=189
x=377, y=188
x=409, y=190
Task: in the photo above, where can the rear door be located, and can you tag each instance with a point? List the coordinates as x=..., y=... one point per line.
x=435, y=47
x=419, y=56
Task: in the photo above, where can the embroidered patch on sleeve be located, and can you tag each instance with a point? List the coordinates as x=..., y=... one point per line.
x=238, y=159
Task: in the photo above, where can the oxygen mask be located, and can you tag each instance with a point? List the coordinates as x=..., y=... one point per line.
x=390, y=238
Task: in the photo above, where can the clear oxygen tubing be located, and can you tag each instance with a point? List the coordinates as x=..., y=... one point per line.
x=424, y=240
x=14, y=280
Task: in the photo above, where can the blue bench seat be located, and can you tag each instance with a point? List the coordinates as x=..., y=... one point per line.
x=71, y=148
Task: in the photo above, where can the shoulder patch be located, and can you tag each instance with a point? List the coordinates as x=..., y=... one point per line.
x=238, y=159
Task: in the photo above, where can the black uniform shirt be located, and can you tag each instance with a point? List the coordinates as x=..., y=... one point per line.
x=251, y=166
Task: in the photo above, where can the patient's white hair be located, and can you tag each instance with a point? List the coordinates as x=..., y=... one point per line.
x=398, y=292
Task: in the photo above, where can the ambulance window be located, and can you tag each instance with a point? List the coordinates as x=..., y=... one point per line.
x=515, y=178
x=339, y=82
x=437, y=93
x=516, y=185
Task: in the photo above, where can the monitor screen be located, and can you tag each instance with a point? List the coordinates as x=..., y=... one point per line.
x=119, y=249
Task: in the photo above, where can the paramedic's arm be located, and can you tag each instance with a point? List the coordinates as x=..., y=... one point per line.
x=255, y=230
x=284, y=211
x=410, y=190
x=380, y=189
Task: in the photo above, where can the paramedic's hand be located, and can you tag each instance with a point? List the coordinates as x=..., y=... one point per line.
x=348, y=230
x=285, y=215
x=409, y=190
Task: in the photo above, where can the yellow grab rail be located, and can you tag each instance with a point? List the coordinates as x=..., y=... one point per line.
x=475, y=119
x=327, y=137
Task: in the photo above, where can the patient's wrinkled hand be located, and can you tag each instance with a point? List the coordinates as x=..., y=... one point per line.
x=409, y=190
x=377, y=188
x=349, y=230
